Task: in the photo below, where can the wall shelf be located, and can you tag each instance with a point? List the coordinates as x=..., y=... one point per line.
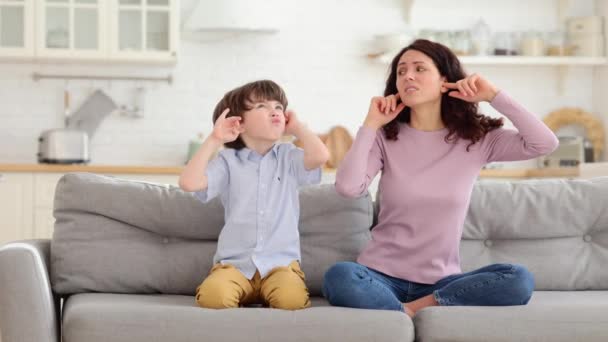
x=516, y=60
x=526, y=60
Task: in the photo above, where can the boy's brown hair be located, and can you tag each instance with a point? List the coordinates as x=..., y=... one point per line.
x=240, y=100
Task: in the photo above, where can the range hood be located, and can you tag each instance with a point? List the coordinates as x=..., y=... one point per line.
x=233, y=16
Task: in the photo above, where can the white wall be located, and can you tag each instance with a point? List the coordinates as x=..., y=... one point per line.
x=320, y=62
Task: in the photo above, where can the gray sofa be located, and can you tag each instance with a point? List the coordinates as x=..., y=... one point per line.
x=126, y=257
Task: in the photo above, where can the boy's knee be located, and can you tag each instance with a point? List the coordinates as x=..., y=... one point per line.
x=286, y=290
x=289, y=299
x=212, y=295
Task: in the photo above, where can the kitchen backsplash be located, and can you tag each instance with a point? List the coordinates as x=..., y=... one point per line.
x=321, y=63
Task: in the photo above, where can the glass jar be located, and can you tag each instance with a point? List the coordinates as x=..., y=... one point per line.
x=461, y=43
x=504, y=44
x=532, y=44
x=481, y=38
x=556, y=44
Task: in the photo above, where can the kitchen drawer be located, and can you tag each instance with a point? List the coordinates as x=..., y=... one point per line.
x=44, y=223
x=44, y=186
x=16, y=194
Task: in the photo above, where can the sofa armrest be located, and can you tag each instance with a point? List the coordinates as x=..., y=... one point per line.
x=28, y=309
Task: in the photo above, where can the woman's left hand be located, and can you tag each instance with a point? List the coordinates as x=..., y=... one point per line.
x=473, y=88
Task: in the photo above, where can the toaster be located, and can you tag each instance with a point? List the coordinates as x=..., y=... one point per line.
x=63, y=146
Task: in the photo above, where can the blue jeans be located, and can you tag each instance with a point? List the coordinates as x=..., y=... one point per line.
x=353, y=285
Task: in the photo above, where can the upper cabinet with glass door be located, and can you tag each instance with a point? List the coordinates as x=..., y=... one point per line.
x=71, y=29
x=144, y=30
x=16, y=28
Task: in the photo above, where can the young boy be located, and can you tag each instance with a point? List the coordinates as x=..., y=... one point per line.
x=257, y=179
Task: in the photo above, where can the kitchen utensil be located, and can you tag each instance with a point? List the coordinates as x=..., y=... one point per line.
x=90, y=114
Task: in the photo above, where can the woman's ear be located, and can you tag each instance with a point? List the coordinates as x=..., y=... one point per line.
x=443, y=89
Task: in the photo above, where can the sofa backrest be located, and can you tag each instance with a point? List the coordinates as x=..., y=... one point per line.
x=120, y=236
x=558, y=228
x=114, y=235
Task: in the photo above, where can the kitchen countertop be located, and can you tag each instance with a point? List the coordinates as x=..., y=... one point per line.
x=176, y=170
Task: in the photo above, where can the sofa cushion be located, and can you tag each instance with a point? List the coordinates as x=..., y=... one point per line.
x=122, y=236
x=145, y=318
x=558, y=228
x=549, y=316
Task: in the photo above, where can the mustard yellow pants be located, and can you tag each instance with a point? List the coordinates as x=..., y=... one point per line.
x=226, y=287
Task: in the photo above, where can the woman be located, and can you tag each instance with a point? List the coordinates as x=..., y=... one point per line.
x=429, y=141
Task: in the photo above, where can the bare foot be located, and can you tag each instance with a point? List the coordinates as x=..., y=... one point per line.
x=408, y=311
x=412, y=307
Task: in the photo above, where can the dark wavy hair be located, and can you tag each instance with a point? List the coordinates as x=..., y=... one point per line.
x=240, y=99
x=460, y=117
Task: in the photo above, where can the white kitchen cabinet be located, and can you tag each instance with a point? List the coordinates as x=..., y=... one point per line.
x=144, y=30
x=44, y=195
x=44, y=223
x=26, y=202
x=90, y=30
x=71, y=29
x=16, y=198
x=42, y=206
x=17, y=28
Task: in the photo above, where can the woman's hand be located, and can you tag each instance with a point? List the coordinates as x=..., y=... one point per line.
x=227, y=129
x=473, y=88
x=383, y=110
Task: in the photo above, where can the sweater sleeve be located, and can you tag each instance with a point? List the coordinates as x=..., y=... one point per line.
x=531, y=139
x=360, y=164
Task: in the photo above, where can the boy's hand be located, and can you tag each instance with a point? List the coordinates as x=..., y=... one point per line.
x=292, y=124
x=227, y=129
x=383, y=110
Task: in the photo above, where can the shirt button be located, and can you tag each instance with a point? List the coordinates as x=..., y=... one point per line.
x=587, y=238
x=488, y=243
x=261, y=212
x=166, y=240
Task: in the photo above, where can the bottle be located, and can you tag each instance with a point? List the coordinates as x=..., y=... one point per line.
x=194, y=145
x=588, y=146
x=481, y=37
x=504, y=44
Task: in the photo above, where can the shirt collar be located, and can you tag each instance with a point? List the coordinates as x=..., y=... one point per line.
x=249, y=154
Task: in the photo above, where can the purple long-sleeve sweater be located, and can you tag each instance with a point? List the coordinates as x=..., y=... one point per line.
x=425, y=188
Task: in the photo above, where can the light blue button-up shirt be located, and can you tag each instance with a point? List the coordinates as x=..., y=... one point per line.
x=261, y=206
